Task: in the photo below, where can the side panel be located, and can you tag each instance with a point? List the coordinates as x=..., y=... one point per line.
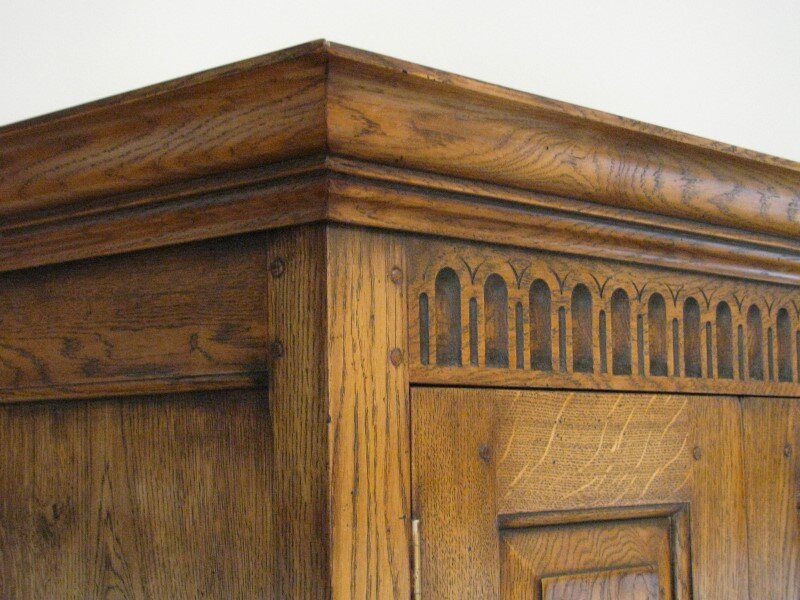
x=147, y=497
x=219, y=491
x=180, y=318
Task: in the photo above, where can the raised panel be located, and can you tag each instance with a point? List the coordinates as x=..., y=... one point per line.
x=618, y=560
x=615, y=584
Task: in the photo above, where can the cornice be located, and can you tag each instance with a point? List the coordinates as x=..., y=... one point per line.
x=322, y=132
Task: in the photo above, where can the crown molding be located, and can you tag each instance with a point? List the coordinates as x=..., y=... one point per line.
x=322, y=132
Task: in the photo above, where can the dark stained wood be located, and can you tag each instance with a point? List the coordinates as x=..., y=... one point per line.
x=447, y=291
x=181, y=318
x=16, y=488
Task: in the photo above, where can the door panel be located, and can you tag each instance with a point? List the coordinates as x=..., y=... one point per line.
x=563, y=450
x=525, y=494
x=771, y=427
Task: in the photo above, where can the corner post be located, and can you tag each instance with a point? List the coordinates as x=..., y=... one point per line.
x=368, y=433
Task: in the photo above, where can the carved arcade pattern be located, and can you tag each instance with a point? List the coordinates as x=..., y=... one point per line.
x=551, y=318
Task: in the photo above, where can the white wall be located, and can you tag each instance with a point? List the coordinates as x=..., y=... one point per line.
x=724, y=69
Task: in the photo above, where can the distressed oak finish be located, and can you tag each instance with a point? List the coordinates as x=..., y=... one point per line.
x=325, y=132
x=327, y=324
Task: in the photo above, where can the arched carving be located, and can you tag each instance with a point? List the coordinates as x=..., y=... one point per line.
x=519, y=335
x=473, y=331
x=562, y=339
x=784, y=327
x=495, y=303
x=755, y=343
x=541, y=326
x=544, y=317
x=676, y=348
x=657, y=334
x=448, y=318
x=602, y=341
x=620, y=333
x=424, y=330
x=581, y=310
x=692, y=366
x=724, y=341
x=741, y=347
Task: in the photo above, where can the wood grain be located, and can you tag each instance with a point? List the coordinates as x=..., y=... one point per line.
x=163, y=219
x=252, y=113
x=138, y=498
x=295, y=310
x=718, y=511
x=459, y=549
x=322, y=97
x=771, y=429
x=134, y=266
x=618, y=584
x=387, y=144
x=561, y=451
x=514, y=467
x=172, y=319
x=629, y=560
x=369, y=415
x=397, y=113
x=553, y=223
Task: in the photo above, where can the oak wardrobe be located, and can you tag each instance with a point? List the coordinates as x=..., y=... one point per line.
x=327, y=324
